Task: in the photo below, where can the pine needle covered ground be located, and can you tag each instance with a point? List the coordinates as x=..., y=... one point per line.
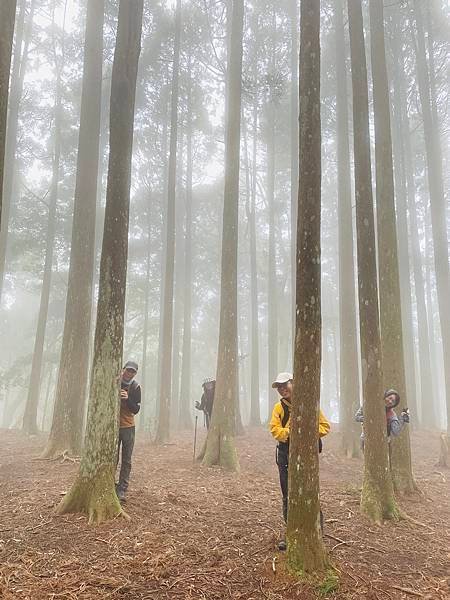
x=203, y=534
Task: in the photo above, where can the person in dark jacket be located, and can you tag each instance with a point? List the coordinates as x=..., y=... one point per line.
x=207, y=400
x=130, y=404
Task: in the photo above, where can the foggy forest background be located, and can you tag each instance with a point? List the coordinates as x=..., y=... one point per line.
x=40, y=171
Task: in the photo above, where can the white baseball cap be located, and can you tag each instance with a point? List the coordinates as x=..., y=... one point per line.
x=282, y=378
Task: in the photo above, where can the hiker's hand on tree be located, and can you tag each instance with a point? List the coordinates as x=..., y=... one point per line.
x=405, y=416
x=124, y=394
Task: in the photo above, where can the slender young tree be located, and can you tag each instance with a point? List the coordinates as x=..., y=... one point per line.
x=93, y=491
x=389, y=280
x=185, y=418
x=165, y=383
x=67, y=425
x=255, y=412
x=349, y=376
x=144, y=396
x=306, y=551
x=377, y=498
x=219, y=448
x=272, y=294
x=7, y=20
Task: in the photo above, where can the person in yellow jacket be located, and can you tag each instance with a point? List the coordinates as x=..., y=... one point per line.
x=280, y=429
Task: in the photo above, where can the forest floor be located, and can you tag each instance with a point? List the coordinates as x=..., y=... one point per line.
x=202, y=534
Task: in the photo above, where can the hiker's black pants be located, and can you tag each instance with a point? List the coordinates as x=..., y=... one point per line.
x=283, y=469
x=283, y=464
x=126, y=441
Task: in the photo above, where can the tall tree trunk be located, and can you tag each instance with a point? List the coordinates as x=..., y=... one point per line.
x=426, y=381
x=377, y=498
x=145, y=396
x=437, y=201
x=7, y=19
x=164, y=174
x=185, y=417
x=29, y=424
x=293, y=16
x=93, y=491
x=272, y=292
x=389, y=279
x=349, y=375
x=68, y=413
x=179, y=287
x=20, y=61
x=406, y=198
x=255, y=410
x=165, y=386
x=306, y=551
x=430, y=287
x=51, y=370
x=219, y=448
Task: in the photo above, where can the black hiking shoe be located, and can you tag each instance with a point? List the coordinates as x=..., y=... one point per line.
x=121, y=494
x=282, y=546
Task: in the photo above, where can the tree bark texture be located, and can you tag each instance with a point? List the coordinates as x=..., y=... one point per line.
x=306, y=551
x=255, y=411
x=220, y=448
x=185, y=416
x=389, y=279
x=294, y=141
x=165, y=384
x=7, y=20
x=273, y=289
x=93, y=491
x=67, y=425
x=404, y=261
x=377, y=498
x=349, y=372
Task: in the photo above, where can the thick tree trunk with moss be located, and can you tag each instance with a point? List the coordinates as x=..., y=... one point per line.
x=377, y=498
x=220, y=448
x=389, y=279
x=7, y=19
x=165, y=382
x=93, y=491
x=67, y=425
x=306, y=551
x=349, y=374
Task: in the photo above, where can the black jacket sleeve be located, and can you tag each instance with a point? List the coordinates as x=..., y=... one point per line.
x=134, y=398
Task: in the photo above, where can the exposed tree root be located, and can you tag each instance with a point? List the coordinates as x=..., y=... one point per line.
x=95, y=497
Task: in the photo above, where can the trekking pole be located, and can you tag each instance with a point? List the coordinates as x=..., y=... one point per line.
x=195, y=438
